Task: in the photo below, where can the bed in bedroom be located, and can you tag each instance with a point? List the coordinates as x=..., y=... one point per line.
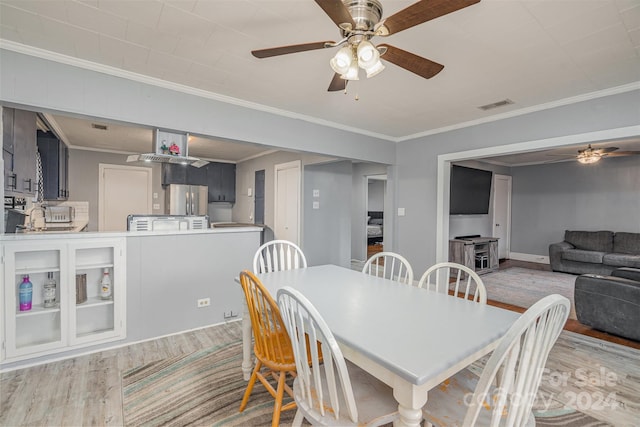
x=374, y=227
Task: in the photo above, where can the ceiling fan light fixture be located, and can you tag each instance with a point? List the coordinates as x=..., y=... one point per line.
x=375, y=69
x=368, y=55
x=587, y=158
x=342, y=60
x=352, y=72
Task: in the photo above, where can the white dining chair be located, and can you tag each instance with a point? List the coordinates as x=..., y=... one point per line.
x=466, y=400
x=467, y=284
x=389, y=265
x=278, y=255
x=331, y=392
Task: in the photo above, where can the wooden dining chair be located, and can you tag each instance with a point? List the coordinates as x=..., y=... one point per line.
x=466, y=400
x=389, y=265
x=330, y=393
x=272, y=346
x=278, y=255
x=466, y=282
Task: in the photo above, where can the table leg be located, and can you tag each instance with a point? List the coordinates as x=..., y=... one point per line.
x=247, y=359
x=410, y=399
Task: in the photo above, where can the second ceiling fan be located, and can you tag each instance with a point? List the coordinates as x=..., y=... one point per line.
x=361, y=20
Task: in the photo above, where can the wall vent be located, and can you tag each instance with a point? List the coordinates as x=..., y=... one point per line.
x=496, y=104
x=99, y=127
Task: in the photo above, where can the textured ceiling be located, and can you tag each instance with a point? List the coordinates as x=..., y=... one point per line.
x=533, y=52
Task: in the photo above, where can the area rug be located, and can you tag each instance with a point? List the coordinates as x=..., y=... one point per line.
x=206, y=388
x=523, y=287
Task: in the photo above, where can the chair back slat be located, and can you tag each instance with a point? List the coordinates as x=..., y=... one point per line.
x=466, y=282
x=304, y=324
x=278, y=255
x=520, y=358
x=390, y=266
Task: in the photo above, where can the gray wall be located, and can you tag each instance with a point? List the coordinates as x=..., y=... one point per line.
x=376, y=195
x=83, y=179
x=549, y=199
x=327, y=230
x=416, y=169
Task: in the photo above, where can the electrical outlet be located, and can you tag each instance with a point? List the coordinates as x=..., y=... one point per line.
x=204, y=302
x=230, y=314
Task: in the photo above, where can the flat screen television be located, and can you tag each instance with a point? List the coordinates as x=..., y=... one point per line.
x=470, y=191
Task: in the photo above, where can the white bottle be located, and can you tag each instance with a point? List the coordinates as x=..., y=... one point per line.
x=105, y=285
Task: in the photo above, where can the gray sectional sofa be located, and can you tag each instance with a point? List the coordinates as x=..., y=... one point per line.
x=610, y=303
x=595, y=252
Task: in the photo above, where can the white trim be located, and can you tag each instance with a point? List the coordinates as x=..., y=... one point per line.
x=113, y=71
x=296, y=164
x=541, y=259
x=507, y=226
x=444, y=166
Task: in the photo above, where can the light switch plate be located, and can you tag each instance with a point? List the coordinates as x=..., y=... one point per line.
x=316, y=205
x=400, y=211
x=250, y=192
x=316, y=193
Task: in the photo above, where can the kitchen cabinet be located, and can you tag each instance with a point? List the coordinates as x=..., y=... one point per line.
x=221, y=179
x=183, y=174
x=54, y=156
x=19, y=151
x=69, y=324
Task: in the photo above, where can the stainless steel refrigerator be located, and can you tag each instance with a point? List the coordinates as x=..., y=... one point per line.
x=184, y=199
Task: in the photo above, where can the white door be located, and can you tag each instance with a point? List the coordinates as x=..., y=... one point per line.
x=122, y=190
x=287, y=202
x=502, y=214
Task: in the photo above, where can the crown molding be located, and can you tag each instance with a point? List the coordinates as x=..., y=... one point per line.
x=153, y=81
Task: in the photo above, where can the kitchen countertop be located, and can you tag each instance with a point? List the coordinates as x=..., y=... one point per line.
x=85, y=235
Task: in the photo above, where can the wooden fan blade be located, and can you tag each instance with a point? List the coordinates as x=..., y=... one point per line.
x=337, y=11
x=422, y=11
x=294, y=48
x=410, y=62
x=623, y=153
x=606, y=150
x=337, y=83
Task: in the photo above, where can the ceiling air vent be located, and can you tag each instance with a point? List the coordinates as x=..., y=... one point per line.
x=99, y=127
x=496, y=104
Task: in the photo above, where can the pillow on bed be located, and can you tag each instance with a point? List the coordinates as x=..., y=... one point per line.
x=369, y=220
x=376, y=221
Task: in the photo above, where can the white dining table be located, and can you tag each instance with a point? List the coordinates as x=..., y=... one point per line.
x=410, y=338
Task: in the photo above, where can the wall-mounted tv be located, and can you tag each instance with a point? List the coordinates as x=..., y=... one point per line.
x=470, y=191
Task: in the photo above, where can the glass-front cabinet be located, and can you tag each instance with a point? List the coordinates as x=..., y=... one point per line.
x=62, y=294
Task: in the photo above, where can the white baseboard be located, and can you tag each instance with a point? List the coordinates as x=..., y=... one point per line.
x=541, y=259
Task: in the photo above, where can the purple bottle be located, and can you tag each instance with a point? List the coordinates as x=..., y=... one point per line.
x=26, y=292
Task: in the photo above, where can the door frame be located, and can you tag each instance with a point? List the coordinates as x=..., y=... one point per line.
x=296, y=164
x=507, y=227
x=375, y=177
x=101, y=182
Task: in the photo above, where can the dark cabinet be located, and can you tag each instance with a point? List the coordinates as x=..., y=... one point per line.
x=220, y=178
x=54, y=157
x=19, y=151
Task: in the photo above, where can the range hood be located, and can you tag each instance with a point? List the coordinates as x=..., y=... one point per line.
x=169, y=147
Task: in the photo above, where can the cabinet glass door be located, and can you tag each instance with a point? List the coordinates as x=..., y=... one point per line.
x=33, y=326
x=97, y=311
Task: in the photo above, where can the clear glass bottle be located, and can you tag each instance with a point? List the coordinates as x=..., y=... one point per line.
x=105, y=285
x=49, y=291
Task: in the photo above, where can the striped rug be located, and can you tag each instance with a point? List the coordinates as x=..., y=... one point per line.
x=206, y=388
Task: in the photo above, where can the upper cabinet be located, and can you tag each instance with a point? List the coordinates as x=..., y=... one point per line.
x=19, y=151
x=220, y=178
x=54, y=156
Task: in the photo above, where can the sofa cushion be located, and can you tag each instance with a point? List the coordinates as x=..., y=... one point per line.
x=590, y=240
x=580, y=255
x=622, y=260
x=626, y=243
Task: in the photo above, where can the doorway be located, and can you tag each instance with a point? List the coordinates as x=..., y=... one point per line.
x=376, y=192
x=287, y=201
x=122, y=190
x=502, y=214
x=258, y=200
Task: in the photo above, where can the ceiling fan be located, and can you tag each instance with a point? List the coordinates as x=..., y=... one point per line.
x=361, y=20
x=592, y=155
